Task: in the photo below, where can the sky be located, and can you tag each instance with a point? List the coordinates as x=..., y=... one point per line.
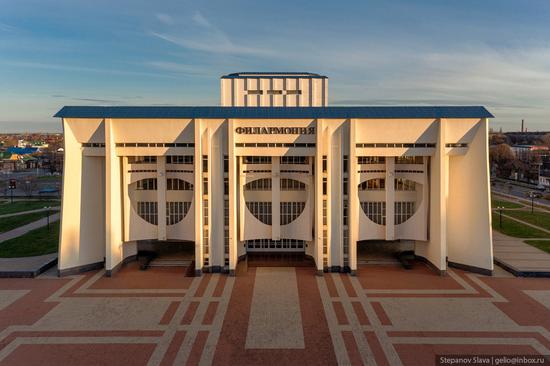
x=494, y=53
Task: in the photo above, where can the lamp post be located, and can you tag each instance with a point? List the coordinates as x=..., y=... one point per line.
x=532, y=196
x=48, y=216
x=500, y=208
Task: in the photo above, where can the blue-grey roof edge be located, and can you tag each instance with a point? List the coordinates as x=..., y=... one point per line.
x=383, y=112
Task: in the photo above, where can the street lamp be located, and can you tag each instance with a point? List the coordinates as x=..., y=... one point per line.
x=48, y=216
x=500, y=208
x=532, y=196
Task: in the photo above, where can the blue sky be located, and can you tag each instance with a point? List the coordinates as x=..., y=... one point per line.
x=66, y=52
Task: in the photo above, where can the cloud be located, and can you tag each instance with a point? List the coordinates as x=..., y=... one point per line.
x=174, y=67
x=203, y=36
x=199, y=19
x=63, y=67
x=165, y=18
x=6, y=28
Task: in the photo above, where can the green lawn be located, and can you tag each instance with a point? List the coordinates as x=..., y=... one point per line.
x=516, y=229
x=35, y=242
x=538, y=218
x=19, y=206
x=12, y=222
x=541, y=244
x=49, y=178
x=506, y=204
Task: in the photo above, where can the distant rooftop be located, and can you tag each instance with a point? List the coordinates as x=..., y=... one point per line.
x=273, y=75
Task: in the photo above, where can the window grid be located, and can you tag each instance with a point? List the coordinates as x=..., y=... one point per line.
x=263, y=184
x=257, y=159
x=376, y=184
x=294, y=160
x=371, y=160
x=291, y=185
x=375, y=211
x=409, y=160
x=403, y=211
x=290, y=211
x=266, y=244
x=179, y=159
x=175, y=184
x=149, y=184
x=142, y=159
x=176, y=211
x=402, y=184
x=148, y=211
x=261, y=211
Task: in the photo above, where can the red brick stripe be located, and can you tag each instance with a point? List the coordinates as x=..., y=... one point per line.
x=210, y=313
x=218, y=291
x=173, y=348
x=379, y=310
x=170, y=311
x=330, y=285
x=190, y=313
x=348, y=286
x=360, y=313
x=198, y=347
x=376, y=349
x=340, y=312
x=351, y=348
x=205, y=280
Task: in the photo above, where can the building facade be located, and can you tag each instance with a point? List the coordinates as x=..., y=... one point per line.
x=274, y=169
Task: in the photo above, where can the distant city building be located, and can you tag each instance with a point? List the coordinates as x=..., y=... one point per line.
x=275, y=169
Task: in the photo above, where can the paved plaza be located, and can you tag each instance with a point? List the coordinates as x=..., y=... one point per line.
x=270, y=315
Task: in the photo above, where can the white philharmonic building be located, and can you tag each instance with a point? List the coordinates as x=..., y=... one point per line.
x=275, y=169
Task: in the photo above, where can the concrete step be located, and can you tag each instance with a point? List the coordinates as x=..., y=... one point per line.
x=170, y=263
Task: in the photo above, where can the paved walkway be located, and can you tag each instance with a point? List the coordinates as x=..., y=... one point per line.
x=518, y=257
x=53, y=209
x=26, y=228
x=383, y=316
x=26, y=266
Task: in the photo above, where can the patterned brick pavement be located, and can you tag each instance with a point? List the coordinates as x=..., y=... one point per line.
x=385, y=315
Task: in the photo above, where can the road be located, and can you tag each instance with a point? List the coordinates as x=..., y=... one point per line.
x=518, y=191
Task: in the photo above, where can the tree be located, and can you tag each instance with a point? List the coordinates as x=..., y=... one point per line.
x=546, y=139
x=504, y=159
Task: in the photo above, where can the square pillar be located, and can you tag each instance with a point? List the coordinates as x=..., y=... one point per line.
x=275, y=198
x=161, y=197
x=233, y=239
x=113, y=203
x=353, y=194
x=390, y=198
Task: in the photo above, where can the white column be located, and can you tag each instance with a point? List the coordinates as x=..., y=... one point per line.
x=113, y=202
x=198, y=197
x=435, y=249
x=390, y=198
x=318, y=187
x=469, y=234
x=353, y=214
x=161, y=197
x=69, y=241
x=233, y=239
x=275, y=198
